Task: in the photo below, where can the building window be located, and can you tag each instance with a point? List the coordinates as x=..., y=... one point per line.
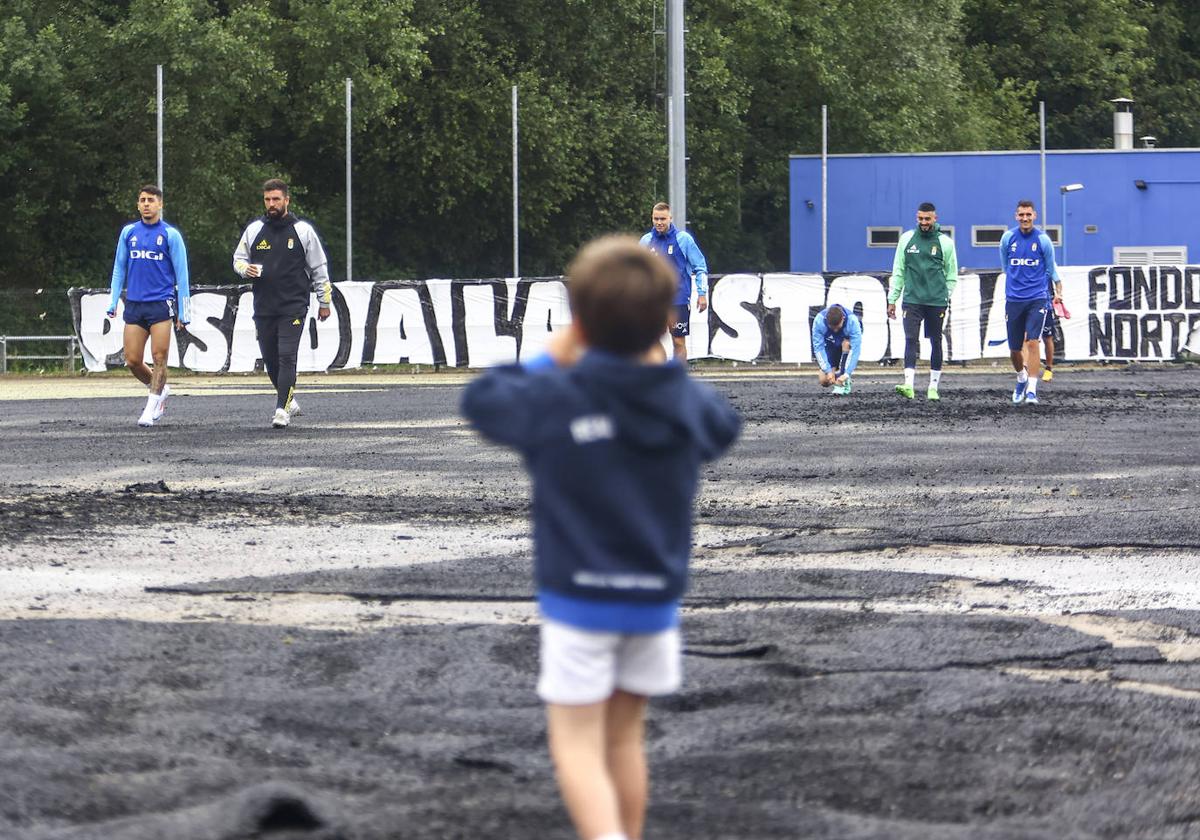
x=948, y=230
x=1055, y=234
x=1158, y=255
x=883, y=237
x=987, y=236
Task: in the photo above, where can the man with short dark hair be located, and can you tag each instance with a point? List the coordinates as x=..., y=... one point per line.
x=1027, y=255
x=152, y=260
x=282, y=255
x=925, y=272
x=681, y=251
x=836, y=343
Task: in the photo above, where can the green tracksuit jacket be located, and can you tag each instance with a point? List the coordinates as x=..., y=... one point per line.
x=925, y=268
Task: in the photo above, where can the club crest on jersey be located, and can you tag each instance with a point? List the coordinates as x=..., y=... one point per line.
x=159, y=240
x=670, y=249
x=933, y=251
x=291, y=243
x=263, y=245
x=1034, y=246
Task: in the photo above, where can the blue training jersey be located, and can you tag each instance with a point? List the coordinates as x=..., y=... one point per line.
x=1028, y=260
x=151, y=261
x=823, y=338
x=681, y=250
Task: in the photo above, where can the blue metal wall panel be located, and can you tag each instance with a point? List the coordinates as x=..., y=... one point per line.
x=983, y=189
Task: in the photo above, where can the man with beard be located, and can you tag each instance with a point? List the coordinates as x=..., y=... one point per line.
x=925, y=272
x=283, y=257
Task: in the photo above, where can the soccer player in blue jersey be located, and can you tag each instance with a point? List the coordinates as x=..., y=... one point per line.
x=1027, y=255
x=682, y=252
x=836, y=342
x=151, y=266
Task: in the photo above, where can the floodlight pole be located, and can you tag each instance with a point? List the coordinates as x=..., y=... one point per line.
x=676, y=129
x=516, y=206
x=824, y=188
x=1042, y=124
x=159, y=123
x=349, y=215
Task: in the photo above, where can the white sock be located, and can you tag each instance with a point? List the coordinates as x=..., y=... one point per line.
x=1032, y=389
x=935, y=376
x=614, y=836
x=1023, y=375
x=910, y=376
x=151, y=402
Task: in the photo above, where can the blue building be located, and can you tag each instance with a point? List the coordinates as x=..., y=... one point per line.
x=1136, y=206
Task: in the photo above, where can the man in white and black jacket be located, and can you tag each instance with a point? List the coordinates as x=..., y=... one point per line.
x=283, y=257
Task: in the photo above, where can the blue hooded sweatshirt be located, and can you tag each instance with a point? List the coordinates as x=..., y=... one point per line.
x=614, y=449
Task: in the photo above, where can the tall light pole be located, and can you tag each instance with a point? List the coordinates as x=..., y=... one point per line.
x=676, y=131
x=349, y=185
x=1063, y=190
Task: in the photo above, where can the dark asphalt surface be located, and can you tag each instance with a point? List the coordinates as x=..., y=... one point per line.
x=796, y=719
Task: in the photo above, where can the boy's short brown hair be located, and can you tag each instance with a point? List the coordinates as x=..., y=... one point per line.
x=620, y=294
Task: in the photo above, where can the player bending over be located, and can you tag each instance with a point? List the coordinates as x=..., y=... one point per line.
x=836, y=342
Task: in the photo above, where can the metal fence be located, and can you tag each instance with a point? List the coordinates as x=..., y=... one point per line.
x=69, y=357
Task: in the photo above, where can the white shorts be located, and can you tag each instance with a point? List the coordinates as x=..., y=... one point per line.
x=586, y=666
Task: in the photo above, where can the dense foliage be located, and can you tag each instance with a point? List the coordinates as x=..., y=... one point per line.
x=255, y=88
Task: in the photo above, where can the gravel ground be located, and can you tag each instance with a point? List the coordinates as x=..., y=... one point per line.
x=907, y=620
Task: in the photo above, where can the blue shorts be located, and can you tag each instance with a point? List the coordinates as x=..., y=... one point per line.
x=681, y=322
x=1051, y=323
x=147, y=313
x=1026, y=320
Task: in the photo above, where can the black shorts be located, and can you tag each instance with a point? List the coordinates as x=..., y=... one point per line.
x=681, y=324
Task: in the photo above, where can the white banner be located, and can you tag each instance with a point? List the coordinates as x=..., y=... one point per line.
x=1118, y=312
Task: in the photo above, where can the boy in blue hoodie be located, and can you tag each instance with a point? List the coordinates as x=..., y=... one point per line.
x=613, y=440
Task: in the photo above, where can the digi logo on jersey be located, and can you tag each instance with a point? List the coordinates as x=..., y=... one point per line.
x=1028, y=262
x=139, y=254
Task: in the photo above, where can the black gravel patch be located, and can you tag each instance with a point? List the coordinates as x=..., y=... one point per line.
x=509, y=578
x=848, y=725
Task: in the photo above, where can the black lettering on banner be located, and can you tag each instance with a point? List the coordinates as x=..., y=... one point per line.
x=1144, y=289
x=1120, y=288
x=1191, y=288
x=767, y=317
x=1100, y=343
x=1130, y=312
x=1125, y=331
x=1178, y=332
x=1170, y=287
x=1097, y=284
x=1151, y=328
x=504, y=325
x=429, y=319
x=345, y=330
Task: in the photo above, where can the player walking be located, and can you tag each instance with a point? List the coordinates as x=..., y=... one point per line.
x=151, y=265
x=682, y=252
x=1027, y=255
x=284, y=258
x=925, y=270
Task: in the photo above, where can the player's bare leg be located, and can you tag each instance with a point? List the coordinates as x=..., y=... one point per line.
x=160, y=346
x=626, y=756
x=1033, y=359
x=579, y=751
x=134, y=341
x=680, y=346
